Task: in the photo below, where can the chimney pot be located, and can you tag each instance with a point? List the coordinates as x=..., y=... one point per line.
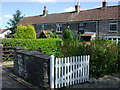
x=104, y=3
x=45, y=12
x=44, y=7
x=77, y=7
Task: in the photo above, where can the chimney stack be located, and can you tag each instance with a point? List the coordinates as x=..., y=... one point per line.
x=45, y=12
x=104, y=3
x=77, y=7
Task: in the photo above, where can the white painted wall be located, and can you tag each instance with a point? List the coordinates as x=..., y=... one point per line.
x=2, y=35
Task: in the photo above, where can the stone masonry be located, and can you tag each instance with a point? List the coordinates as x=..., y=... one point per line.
x=32, y=66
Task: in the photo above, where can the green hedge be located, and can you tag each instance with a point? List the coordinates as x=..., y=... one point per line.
x=104, y=54
x=49, y=46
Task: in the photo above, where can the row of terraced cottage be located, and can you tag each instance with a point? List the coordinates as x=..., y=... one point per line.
x=102, y=23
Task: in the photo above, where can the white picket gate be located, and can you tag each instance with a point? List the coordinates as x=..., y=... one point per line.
x=68, y=71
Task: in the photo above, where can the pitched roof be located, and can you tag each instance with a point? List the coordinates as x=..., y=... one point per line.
x=107, y=13
x=2, y=30
x=46, y=33
x=88, y=34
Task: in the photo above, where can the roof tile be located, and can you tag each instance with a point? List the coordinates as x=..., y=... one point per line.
x=107, y=13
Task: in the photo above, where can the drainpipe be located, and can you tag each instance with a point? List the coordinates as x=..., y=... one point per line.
x=67, y=24
x=97, y=26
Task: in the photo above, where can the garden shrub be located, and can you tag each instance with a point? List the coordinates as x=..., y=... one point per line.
x=49, y=46
x=68, y=34
x=71, y=48
x=53, y=35
x=25, y=32
x=104, y=55
x=119, y=57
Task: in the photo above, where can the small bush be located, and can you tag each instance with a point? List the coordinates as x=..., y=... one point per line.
x=25, y=32
x=53, y=35
x=104, y=57
x=49, y=46
x=68, y=34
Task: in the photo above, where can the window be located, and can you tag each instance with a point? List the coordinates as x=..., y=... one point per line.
x=58, y=29
x=113, y=26
x=43, y=27
x=81, y=26
x=109, y=39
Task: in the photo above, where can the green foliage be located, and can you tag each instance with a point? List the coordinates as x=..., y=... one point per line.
x=119, y=57
x=14, y=21
x=71, y=48
x=104, y=55
x=68, y=34
x=54, y=35
x=25, y=32
x=49, y=46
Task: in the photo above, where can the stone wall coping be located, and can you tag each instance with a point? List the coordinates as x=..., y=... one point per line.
x=19, y=48
x=34, y=53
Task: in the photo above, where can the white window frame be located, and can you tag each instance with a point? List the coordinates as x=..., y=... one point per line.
x=112, y=38
x=81, y=26
x=43, y=27
x=58, y=29
x=111, y=23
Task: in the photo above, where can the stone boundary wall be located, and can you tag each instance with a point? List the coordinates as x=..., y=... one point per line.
x=32, y=66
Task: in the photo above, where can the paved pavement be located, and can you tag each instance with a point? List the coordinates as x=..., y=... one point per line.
x=108, y=81
x=8, y=82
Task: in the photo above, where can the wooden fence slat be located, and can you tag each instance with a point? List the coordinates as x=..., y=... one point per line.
x=78, y=68
x=71, y=70
x=81, y=78
x=59, y=71
x=68, y=70
x=62, y=70
x=56, y=61
x=88, y=67
x=7, y=53
x=65, y=73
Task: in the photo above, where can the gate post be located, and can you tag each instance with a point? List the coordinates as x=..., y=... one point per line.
x=1, y=53
x=52, y=57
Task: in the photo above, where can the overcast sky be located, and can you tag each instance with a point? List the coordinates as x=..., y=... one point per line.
x=35, y=7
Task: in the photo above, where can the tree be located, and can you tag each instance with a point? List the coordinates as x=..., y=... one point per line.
x=17, y=17
x=68, y=34
x=25, y=32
